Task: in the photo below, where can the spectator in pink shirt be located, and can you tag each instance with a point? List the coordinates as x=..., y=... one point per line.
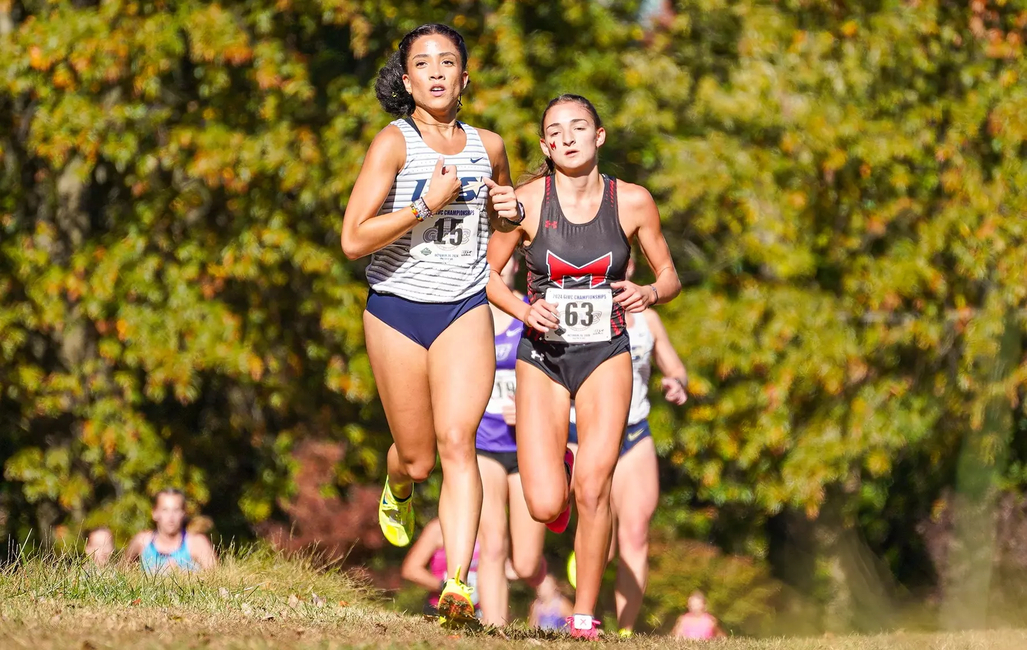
x=697, y=623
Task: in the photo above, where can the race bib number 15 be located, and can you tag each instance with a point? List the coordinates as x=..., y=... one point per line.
x=584, y=315
x=450, y=235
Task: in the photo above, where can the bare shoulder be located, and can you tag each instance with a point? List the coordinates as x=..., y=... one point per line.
x=532, y=190
x=433, y=528
x=492, y=140
x=138, y=543
x=389, y=146
x=632, y=196
x=198, y=540
x=390, y=136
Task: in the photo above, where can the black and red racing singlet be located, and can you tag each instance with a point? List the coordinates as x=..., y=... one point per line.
x=572, y=265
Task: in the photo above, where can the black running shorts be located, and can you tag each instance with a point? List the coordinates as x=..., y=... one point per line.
x=570, y=364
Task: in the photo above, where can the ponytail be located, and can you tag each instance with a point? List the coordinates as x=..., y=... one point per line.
x=546, y=168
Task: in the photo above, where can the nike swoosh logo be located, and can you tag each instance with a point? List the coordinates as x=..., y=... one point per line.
x=633, y=436
x=477, y=160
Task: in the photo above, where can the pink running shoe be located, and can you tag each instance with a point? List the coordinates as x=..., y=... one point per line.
x=559, y=524
x=583, y=626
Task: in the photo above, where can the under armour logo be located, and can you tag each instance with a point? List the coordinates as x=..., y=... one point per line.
x=549, y=224
x=537, y=355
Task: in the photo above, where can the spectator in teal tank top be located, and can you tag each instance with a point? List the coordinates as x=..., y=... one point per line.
x=170, y=547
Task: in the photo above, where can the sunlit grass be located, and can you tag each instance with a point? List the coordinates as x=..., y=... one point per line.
x=257, y=578
x=260, y=599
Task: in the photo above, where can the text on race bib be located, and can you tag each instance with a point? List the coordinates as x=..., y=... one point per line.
x=584, y=315
x=451, y=234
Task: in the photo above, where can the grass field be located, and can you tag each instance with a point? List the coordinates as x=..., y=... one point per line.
x=263, y=601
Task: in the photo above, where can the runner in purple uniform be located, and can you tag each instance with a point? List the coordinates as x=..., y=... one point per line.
x=521, y=540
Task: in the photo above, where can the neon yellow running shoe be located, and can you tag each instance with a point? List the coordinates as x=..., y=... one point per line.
x=625, y=633
x=572, y=571
x=455, y=605
x=396, y=517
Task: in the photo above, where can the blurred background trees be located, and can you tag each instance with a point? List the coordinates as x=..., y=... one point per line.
x=842, y=187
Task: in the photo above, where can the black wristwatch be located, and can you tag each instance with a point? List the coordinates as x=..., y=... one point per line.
x=520, y=213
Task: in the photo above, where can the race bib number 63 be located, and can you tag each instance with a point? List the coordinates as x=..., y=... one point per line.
x=584, y=315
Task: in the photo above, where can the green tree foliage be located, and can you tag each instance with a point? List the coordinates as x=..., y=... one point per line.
x=845, y=192
x=841, y=185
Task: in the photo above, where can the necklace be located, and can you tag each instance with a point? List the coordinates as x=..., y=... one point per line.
x=435, y=124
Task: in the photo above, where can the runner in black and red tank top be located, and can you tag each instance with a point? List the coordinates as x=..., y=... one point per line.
x=566, y=255
x=576, y=228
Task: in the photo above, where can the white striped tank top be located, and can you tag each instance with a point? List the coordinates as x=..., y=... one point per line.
x=441, y=259
x=642, y=344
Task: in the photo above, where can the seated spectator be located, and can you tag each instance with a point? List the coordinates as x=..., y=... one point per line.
x=170, y=547
x=550, y=609
x=100, y=545
x=697, y=623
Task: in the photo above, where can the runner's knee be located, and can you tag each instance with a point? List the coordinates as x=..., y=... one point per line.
x=591, y=490
x=419, y=469
x=525, y=565
x=457, y=446
x=633, y=535
x=546, y=506
x=493, y=544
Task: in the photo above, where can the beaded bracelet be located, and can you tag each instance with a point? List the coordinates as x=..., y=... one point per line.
x=420, y=210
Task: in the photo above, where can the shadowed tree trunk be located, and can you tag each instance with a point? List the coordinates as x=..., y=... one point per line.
x=967, y=576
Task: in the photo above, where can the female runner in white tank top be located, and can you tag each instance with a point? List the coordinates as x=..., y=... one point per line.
x=420, y=209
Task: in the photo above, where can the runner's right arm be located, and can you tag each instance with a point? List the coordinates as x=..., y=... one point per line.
x=677, y=632
x=136, y=546
x=675, y=377
x=539, y=315
x=364, y=231
x=532, y=614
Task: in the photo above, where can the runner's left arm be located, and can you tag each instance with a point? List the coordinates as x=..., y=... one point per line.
x=502, y=201
x=638, y=207
x=675, y=378
x=539, y=315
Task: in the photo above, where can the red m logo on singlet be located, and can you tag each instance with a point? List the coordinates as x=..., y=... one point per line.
x=596, y=270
